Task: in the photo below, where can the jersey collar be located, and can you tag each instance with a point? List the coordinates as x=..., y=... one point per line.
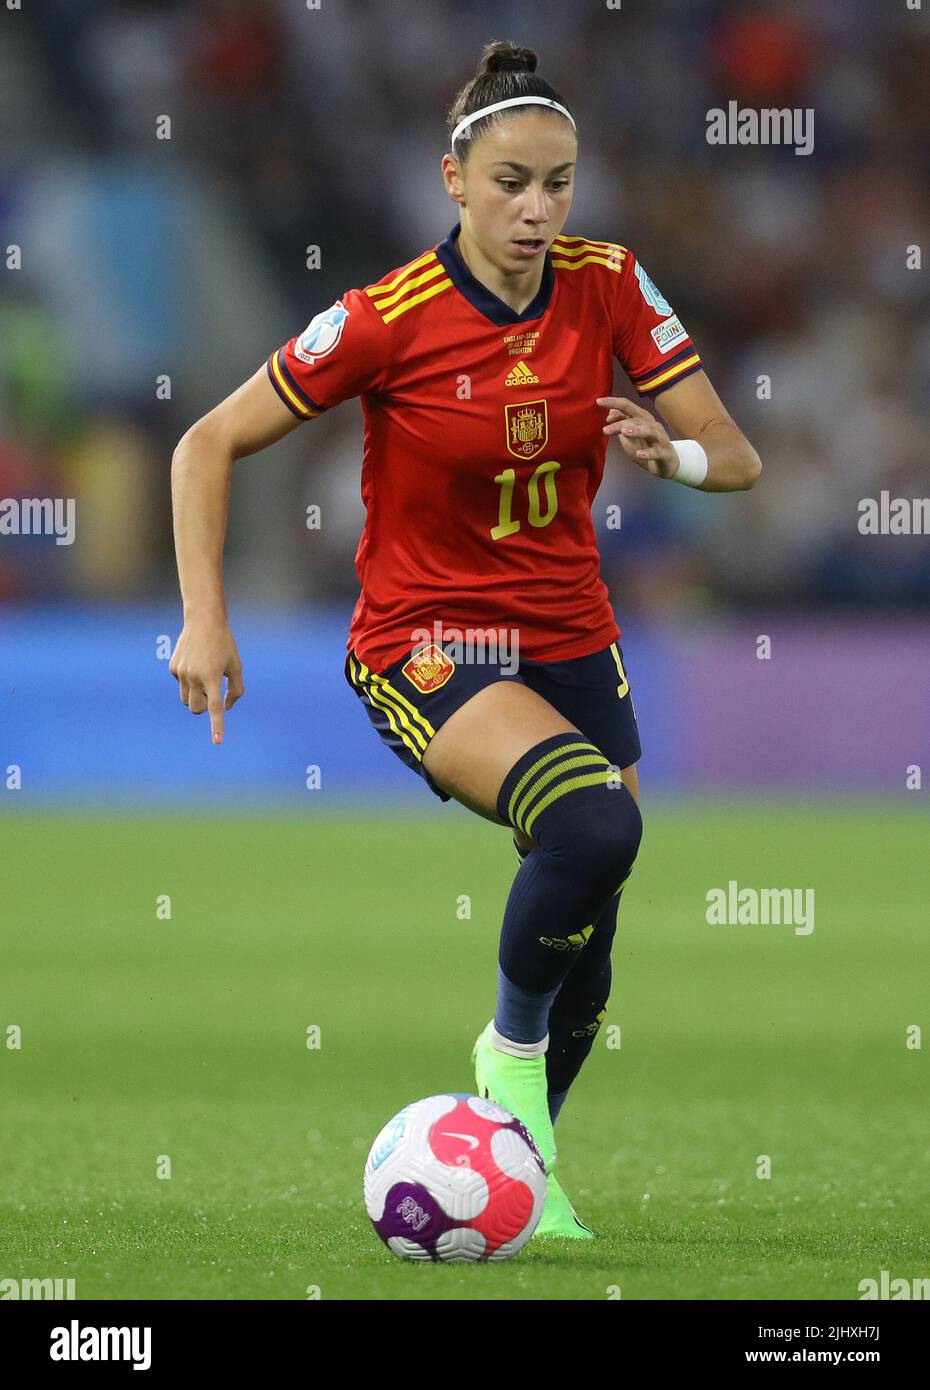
x=480, y=296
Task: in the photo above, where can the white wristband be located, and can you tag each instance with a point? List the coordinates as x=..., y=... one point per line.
x=692, y=462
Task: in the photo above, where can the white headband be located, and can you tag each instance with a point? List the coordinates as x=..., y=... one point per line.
x=511, y=101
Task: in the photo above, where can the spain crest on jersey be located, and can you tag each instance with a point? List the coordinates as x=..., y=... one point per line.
x=527, y=428
x=429, y=668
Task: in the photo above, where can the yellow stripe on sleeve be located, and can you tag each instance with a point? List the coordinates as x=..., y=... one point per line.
x=296, y=401
x=588, y=260
x=391, y=298
x=417, y=299
x=375, y=290
x=669, y=374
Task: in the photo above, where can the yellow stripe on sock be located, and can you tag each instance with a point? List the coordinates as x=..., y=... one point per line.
x=531, y=772
x=590, y=779
x=543, y=780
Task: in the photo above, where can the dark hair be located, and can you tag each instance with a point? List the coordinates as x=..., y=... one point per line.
x=504, y=70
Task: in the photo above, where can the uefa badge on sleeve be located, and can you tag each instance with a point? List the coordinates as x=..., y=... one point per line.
x=322, y=333
x=652, y=294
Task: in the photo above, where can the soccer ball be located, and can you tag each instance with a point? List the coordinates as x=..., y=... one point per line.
x=454, y=1177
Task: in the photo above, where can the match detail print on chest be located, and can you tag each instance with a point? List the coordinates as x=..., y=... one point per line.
x=526, y=422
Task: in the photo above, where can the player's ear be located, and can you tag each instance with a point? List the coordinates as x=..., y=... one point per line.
x=452, y=176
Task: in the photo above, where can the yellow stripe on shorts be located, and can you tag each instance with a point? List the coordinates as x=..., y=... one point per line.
x=624, y=685
x=382, y=694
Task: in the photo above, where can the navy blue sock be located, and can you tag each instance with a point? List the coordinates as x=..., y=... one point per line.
x=522, y=1015
x=580, y=1005
x=565, y=795
x=556, y=1101
x=576, y=1013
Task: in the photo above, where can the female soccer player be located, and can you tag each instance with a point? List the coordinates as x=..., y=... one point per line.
x=483, y=644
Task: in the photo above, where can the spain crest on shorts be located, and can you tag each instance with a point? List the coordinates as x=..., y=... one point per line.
x=429, y=668
x=527, y=428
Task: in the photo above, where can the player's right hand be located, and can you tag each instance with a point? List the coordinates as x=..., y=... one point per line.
x=205, y=652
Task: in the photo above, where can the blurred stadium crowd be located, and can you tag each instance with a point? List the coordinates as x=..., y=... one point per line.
x=185, y=258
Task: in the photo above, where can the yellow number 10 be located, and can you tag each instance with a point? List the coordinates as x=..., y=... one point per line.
x=508, y=480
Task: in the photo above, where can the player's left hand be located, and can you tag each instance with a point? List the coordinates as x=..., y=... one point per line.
x=641, y=436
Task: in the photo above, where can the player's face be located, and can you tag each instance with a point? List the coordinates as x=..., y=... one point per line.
x=518, y=186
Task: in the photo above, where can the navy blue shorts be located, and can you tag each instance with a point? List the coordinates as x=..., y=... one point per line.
x=409, y=700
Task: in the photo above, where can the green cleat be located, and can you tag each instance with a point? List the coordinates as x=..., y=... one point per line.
x=559, y=1217
x=519, y=1085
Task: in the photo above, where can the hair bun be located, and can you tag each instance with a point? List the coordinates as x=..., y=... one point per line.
x=507, y=57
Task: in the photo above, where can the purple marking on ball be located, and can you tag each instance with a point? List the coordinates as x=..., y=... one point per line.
x=413, y=1213
x=522, y=1130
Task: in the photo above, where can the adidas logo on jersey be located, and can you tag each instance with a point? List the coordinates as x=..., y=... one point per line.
x=520, y=375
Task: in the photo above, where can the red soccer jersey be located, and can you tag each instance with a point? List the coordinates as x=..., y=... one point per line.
x=483, y=444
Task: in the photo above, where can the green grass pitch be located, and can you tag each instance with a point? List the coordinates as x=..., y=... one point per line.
x=144, y=1037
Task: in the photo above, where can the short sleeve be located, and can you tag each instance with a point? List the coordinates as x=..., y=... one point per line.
x=342, y=352
x=650, y=341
